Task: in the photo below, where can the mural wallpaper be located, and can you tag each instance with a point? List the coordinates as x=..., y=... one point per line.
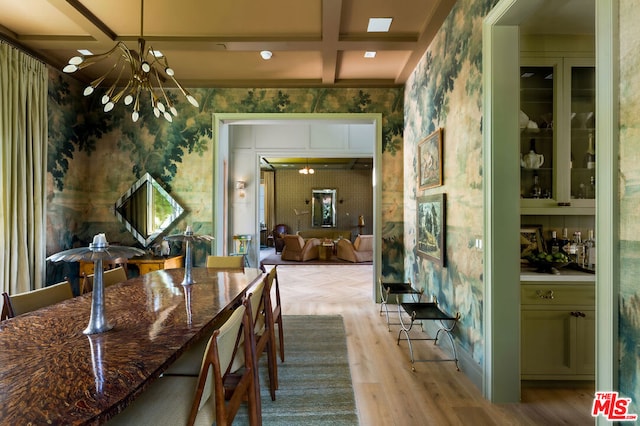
x=94, y=157
x=445, y=91
x=629, y=326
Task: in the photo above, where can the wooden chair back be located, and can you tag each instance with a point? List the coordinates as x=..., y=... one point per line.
x=221, y=351
x=225, y=262
x=109, y=277
x=277, y=308
x=22, y=303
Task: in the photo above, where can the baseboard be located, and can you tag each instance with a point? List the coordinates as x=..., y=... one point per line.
x=468, y=366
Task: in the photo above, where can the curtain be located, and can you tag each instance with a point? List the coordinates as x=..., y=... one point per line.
x=23, y=166
x=269, y=204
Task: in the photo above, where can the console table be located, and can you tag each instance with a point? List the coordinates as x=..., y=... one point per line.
x=145, y=264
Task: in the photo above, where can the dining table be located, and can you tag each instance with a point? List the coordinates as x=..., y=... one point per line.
x=51, y=373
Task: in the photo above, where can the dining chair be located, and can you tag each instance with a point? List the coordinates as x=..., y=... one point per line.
x=225, y=262
x=201, y=400
x=109, y=277
x=262, y=314
x=277, y=309
x=22, y=303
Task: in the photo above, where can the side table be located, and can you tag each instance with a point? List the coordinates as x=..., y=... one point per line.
x=325, y=251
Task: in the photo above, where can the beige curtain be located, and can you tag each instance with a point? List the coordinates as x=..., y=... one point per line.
x=269, y=204
x=23, y=167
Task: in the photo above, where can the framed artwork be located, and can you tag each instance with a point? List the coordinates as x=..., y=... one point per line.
x=531, y=241
x=430, y=161
x=431, y=227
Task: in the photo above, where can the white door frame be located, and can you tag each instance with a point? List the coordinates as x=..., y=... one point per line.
x=501, y=375
x=220, y=158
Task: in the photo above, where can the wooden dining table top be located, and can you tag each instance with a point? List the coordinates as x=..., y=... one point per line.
x=52, y=373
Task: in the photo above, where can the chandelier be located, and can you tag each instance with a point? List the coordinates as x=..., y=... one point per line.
x=137, y=74
x=306, y=170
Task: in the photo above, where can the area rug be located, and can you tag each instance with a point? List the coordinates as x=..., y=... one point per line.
x=275, y=259
x=314, y=380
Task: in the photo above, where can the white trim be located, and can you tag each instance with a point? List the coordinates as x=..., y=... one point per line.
x=501, y=316
x=510, y=12
x=607, y=202
x=221, y=145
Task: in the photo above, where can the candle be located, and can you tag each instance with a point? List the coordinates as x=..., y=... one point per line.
x=99, y=240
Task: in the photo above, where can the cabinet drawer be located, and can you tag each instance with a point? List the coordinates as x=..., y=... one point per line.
x=145, y=268
x=560, y=294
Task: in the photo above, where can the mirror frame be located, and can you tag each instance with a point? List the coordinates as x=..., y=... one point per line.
x=151, y=184
x=319, y=207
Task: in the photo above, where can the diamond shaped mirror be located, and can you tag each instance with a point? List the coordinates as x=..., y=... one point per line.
x=146, y=209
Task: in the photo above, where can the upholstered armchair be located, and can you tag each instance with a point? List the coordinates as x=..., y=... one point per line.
x=278, y=232
x=295, y=248
x=360, y=251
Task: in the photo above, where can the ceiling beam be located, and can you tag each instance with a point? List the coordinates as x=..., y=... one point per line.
x=86, y=20
x=428, y=32
x=331, y=14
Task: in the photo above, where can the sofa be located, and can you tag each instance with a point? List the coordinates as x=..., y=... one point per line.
x=360, y=251
x=325, y=233
x=298, y=249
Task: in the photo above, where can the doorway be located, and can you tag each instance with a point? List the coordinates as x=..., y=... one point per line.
x=248, y=168
x=501, y=53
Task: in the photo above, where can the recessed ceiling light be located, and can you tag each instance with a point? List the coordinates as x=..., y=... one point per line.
x=369, y=54
x=379, y=25
x=266, y=54
x=85, y=52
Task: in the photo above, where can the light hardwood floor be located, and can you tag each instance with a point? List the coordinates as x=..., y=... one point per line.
x=387, y=391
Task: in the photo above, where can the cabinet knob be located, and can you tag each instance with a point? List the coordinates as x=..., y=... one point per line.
x=545, y=295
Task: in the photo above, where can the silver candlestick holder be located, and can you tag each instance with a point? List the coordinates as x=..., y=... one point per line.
x=188, y=237
x=97, y=251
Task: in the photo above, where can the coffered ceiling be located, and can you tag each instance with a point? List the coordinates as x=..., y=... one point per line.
x=216, y=43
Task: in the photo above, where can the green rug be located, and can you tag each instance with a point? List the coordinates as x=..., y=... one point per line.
x=314, y=381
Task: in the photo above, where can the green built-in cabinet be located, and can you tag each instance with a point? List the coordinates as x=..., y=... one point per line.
x=558, y=330
x=557, y=119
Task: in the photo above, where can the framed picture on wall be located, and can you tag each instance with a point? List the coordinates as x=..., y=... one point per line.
x=431, y=228
x=430, y=161
x=531, y=241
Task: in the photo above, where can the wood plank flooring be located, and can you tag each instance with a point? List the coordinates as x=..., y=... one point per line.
x=387, y=391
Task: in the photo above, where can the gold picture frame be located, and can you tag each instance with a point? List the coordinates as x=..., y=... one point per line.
x=431, y=228
x=430, y=161
x=531, y=241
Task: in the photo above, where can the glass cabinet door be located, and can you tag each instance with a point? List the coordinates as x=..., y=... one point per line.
x=537, y=141
x=582, y=104
x=557, y=136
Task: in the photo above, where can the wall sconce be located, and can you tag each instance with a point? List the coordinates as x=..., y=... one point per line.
x=240, y=185
x=306, y=201
x=341, y=201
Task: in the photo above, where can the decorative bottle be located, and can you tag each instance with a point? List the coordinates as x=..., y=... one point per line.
x=564, y=243
x=590, y=155
x=590, y=251
x=536, y=189
x=590, y=188
x=577, y=248
x=554, y=243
